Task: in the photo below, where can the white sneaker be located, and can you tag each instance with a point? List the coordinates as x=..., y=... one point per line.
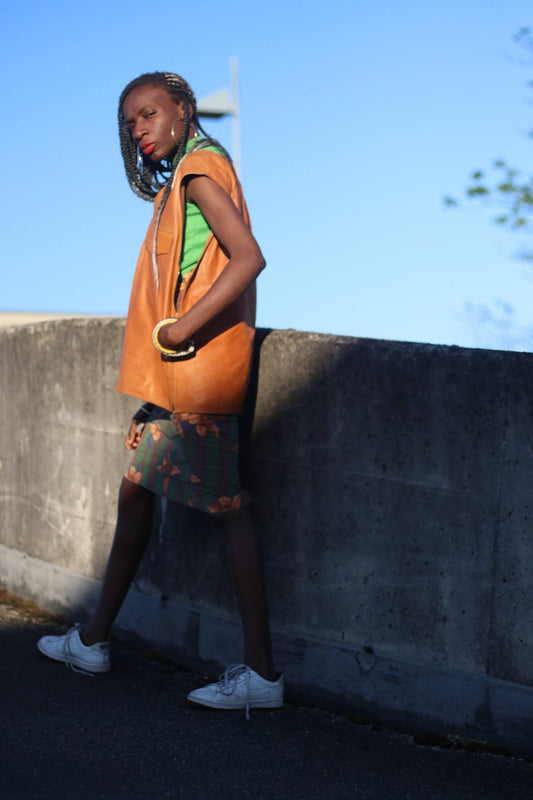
x=240, y=687
x=70, y=649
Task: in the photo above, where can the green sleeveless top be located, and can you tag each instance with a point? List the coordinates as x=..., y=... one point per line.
x=196, y=230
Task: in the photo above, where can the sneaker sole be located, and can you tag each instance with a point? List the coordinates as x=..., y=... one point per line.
x=228, y=706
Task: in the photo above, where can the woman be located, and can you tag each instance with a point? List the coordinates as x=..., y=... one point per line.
x=187, y=353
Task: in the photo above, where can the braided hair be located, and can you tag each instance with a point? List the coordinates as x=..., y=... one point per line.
x=146, y=178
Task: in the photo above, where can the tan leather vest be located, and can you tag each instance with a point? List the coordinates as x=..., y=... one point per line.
x=215, y=379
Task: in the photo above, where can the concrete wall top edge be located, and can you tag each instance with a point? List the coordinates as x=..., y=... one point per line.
x=12, y=323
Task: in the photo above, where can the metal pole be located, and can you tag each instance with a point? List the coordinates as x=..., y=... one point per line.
x=220, y=104
x=235, y=100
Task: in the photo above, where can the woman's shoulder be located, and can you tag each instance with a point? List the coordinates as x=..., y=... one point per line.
x=208, y=161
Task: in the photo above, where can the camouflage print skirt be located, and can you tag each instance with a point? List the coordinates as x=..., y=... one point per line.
x=191, y=459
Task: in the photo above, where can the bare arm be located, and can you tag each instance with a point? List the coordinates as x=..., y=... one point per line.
x=245, y=260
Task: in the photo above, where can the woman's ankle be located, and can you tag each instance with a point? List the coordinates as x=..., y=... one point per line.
x=88, y=637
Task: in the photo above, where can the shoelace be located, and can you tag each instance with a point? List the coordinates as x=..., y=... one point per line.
x=67, y=652
x=227, y=682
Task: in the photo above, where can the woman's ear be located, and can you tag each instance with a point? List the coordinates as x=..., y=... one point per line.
x=181, y=105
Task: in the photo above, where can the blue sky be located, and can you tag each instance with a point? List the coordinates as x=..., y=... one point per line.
x=356, y=120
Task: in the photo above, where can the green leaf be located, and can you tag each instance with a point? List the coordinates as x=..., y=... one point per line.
x=506, y=188
x=477, y=191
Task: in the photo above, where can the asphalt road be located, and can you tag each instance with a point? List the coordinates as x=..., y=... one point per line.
x=131, y=734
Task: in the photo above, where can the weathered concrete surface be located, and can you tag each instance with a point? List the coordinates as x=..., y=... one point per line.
x=62, y=424
x=10, y=319
x=394, y=481
x=392, y=487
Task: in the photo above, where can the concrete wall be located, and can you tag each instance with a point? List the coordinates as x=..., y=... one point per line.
x=392, y=486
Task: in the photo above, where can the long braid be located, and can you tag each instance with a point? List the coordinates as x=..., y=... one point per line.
x=145, y=178
x=175, y=161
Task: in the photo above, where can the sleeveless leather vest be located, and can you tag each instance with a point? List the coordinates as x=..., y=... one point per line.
x=215, y=379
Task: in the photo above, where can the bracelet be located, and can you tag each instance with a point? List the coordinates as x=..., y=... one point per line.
x=155, y=336
x=186, y=349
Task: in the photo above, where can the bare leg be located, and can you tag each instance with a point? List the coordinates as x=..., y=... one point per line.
x=134, y=525
x=243, y=551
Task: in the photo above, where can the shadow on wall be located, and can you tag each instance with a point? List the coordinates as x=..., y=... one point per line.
x=391, y=487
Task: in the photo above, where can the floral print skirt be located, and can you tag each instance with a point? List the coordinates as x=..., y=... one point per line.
x=191, y=459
